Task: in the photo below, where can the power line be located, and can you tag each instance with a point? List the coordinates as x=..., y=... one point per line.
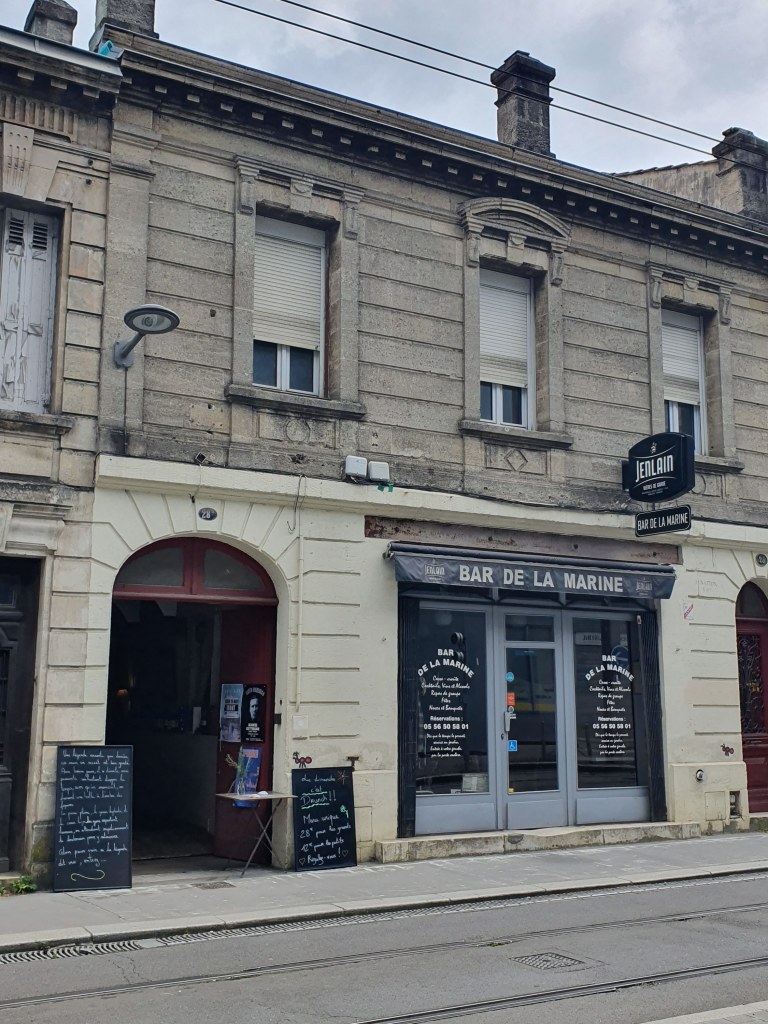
x=456, y=74
x=490, y=67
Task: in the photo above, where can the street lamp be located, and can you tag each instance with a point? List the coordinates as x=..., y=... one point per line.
x=143, y=320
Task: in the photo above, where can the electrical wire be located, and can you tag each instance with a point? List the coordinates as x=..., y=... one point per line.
x=456, y=74
x=491, y=67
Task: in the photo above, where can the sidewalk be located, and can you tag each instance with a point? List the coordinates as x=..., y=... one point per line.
x=748, y=1013
x=169, y=903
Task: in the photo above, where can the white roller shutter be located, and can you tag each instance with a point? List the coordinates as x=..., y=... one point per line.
x=289, y=284
x=682, y=348
x=505, y=328
x=27, y=293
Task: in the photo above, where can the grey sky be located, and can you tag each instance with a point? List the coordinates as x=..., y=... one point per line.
x=696, y=63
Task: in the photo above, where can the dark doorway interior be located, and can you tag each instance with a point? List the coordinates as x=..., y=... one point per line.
x=19, y=589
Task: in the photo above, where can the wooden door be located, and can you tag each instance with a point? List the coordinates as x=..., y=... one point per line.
x=752, y=648
x=247, y=657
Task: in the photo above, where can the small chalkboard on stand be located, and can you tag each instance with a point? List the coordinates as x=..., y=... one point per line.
x=323, y=819
x=92, y=838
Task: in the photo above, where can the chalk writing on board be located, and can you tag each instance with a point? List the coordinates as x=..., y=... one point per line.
x=93, y=818
x=324, y=820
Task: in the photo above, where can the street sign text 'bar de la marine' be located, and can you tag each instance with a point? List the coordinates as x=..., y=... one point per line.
x=455, y=571
x=666, y=520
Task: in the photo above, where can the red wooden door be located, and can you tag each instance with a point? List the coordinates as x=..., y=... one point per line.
x=248, y=657
x=752, y=648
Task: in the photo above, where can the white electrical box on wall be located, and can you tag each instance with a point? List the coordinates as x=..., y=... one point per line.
x=356, y=467
x=378, y=472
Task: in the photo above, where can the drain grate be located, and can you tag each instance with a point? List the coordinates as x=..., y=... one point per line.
x=548, y=961
x=214, y=885
x=26, y=956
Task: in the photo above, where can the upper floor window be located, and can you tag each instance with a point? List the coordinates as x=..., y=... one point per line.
x=27, y=296
x=289, y=306
x=506, y=337
x=683, y=354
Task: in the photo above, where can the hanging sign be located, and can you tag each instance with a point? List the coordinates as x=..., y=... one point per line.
x=667, y=520
x=659, y=467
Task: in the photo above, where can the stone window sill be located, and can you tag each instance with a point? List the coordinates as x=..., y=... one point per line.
x=39, y=424
x=299, y=405
x=717, y=464
x=515, y=435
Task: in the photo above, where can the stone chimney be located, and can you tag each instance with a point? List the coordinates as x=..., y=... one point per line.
x=743, y=163
x=523, y=102
x=52, y=19
x=132, y=15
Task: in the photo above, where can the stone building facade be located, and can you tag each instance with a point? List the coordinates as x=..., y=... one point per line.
x=480, y=635
x=55, y=111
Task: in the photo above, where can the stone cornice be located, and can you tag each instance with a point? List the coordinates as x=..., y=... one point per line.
x=239, y=99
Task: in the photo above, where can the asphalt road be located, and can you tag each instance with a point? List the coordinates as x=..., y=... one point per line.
x=629, y=956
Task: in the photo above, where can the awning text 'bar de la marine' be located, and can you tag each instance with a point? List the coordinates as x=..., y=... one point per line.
x=539, y=577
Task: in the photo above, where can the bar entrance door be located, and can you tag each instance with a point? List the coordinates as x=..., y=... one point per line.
x=569, y=706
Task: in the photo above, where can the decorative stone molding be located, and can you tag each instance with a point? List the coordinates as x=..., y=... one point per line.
x=556, y=262
x=316, y=197
x=725, y=306
x=17, y=143
x=654, y=287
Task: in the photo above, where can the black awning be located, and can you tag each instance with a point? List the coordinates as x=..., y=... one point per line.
x=465, y=567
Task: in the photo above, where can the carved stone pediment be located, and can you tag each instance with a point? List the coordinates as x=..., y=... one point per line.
x=521, y=220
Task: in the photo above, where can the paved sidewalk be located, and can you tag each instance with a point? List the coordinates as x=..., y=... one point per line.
x=748, y=1013
x=163, y=904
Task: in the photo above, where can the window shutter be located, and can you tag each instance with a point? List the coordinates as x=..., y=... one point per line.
x=27, y=290
x=681, y=345
x=289, y=284
x=505, y=326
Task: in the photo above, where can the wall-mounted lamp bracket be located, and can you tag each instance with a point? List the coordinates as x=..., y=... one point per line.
x=143, y=320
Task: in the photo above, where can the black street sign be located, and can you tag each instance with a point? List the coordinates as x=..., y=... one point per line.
x=666, y=520
x=659, y=467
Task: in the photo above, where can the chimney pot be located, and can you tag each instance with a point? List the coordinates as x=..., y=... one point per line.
x=52, y=19
x=522, y=83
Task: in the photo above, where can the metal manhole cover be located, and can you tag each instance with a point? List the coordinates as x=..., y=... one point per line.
x=548, y=961
x=214, y=885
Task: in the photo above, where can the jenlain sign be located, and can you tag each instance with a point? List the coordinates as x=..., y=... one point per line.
x=659, y=467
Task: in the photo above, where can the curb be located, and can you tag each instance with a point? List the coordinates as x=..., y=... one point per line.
x=82, y=934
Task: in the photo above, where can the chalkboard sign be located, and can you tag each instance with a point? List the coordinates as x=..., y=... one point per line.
x=92, y=841
x=323, y=819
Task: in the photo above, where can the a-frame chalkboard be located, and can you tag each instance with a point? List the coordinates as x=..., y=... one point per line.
x=92, y=837
x=323, y=819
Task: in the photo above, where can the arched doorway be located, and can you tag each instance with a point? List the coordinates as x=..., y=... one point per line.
x=189, y=617
x=752, y=647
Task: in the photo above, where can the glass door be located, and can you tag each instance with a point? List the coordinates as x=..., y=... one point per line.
x=529, y=693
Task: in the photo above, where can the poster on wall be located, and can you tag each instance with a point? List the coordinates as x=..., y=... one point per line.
x=229, y=712
x=247, y=773
x=254, y=710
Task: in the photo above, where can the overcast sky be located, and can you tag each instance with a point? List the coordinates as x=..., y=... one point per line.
x=699, y=64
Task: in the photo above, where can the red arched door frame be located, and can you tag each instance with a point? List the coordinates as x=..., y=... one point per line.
x=197, y=569
x=187, y=576
x=752, y=652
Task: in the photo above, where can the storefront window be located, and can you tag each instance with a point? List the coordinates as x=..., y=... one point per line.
x=452, y=735
x=605, y=703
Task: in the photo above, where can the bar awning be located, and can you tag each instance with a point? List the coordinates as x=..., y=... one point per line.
x=466, y=567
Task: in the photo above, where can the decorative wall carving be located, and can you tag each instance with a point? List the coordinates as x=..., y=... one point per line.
x=17, y=146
